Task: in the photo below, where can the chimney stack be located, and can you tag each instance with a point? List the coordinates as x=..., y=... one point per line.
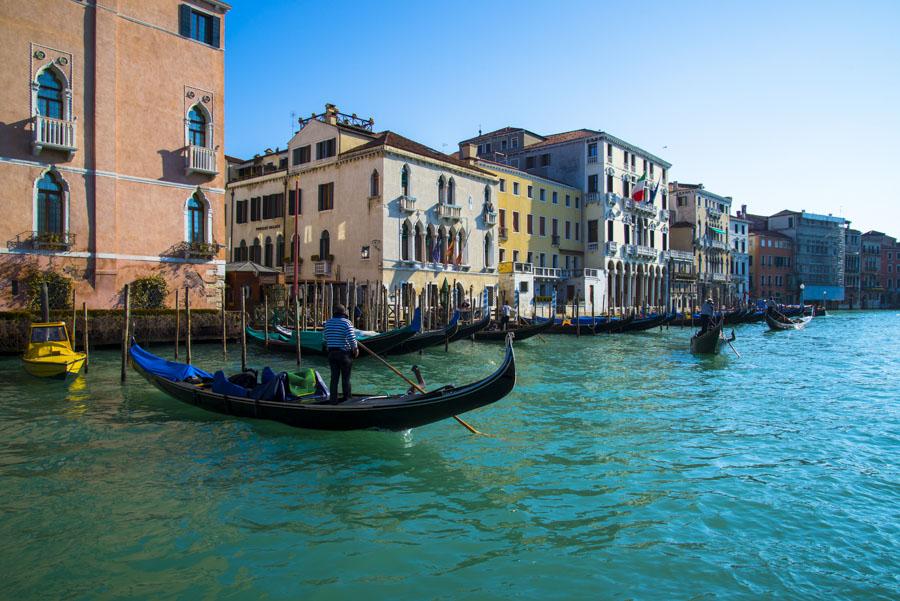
x=331, y=112
x=468, y=152
x=744, y=211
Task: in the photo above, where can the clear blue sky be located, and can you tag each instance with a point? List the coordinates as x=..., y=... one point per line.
x=780, y=105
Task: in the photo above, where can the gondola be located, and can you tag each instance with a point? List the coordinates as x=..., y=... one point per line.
x=423, y=340
x=467, y=330
x=710, y=342
x=520, y=333
x=613, y=326
x=583, y=327
x=312, y=341
x=778, y=323
x=735, y=317
x=309, y=409
x=645, y=323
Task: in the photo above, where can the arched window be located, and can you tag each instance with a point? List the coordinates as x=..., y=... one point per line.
x=196, y=127
x=404, y=180
x=488, y=251
x=429, y=244
x=50, y=95
x=242, y=252
x=279, y=251
x=374, y=184
x=451, y=192
x=404, y=241
x=256, y=252
x=420, y=243
x=269, y=250
x=50, y=207
x=441, y=189
x=196, y=220
x=324, y=246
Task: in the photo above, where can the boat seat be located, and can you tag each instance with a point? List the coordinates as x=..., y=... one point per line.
x=221, y=385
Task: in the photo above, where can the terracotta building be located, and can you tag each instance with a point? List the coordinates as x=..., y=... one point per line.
x=111, y=150
x=771, y=266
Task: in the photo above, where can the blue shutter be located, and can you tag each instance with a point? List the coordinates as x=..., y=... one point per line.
x=215, y=32
x=184, y=20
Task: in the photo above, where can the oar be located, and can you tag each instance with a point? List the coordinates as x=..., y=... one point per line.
x=732, y=347
x=413, y=384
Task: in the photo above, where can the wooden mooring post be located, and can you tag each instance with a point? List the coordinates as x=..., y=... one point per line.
x=84, y=335
x=177, y=323
x=187, y=323
x=224, y=326
x=243, y=332
x=127, y=318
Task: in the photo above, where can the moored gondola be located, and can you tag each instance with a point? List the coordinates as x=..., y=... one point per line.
x=520, y=333
x=312, y=342
x=280, y=399
x=423, y=340
x=614, y=326
x=467, y=330
x=645, y=323
x=709, y=342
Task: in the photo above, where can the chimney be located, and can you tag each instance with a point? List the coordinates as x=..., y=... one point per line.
x=331, y=112
x=468, y=152
x=744, y=211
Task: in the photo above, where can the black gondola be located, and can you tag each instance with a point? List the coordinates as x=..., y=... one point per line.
x=710, y=342
x=467, y=330
x=386, y=412
x=423, y=340
x=645, y=323
x=779, y=322
x=614, y=326
x=520, y=333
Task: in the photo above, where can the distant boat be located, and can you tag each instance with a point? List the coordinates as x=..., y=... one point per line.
x=778, y=322
x=49, y=353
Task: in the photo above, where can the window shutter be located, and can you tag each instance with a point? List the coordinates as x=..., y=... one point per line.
x=184, y=20
x=292, y=202
x=215, y=32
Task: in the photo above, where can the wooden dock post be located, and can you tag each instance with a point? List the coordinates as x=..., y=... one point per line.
x=297, y=327
x=266, y=318
x=74, y=339
x=575, y=310
x=84, y=335
x=243, y=332
x=177, y=323
x=125, y=321
x=315, y=307
x=187, y=324
x=224, y=327
x=45, y=304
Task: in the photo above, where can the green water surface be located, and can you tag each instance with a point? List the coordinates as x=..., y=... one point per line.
x=620, y=467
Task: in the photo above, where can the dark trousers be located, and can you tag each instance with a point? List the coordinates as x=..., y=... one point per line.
x=704, y=323
x=504, y=322
x=340, y=363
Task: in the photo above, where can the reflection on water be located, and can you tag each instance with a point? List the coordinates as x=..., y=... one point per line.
x=621, y=466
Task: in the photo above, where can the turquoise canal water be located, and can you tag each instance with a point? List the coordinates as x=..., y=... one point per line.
x=620, y=467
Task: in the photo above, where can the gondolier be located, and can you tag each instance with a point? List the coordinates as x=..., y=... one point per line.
x=505, y=312
x=707, y=311
x=340, y=338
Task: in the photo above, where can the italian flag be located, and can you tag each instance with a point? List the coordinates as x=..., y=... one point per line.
x=640, y=189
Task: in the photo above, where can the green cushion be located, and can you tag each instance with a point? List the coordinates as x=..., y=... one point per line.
x=302, y=383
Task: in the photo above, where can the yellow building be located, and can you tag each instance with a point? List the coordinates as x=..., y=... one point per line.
x=540, y=237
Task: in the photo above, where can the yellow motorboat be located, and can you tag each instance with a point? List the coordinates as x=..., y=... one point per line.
x=49, y=353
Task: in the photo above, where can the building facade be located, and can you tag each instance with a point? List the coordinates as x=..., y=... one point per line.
x=740, y=256
x=878, y=271
x=540, y=238
x=852, y=267
x=708, y=217
x=624, y=208
x=771, y=267
x=112, y=171
x=818, y=253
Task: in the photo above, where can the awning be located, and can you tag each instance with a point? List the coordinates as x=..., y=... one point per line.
x=717, y=230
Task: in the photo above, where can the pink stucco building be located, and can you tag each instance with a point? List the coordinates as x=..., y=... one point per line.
x=111, y=145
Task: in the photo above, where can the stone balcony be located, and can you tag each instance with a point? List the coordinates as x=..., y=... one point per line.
x=719, y=277
x=592, y=159
x=323, y=268
x=54, y=134
x=590, y=197
x=490, y=219
x=646, y=208
x=200, y=160
x=681, y=255
x=450, y=212
x=612, y=248
x=406, y=203
x=53, y=241
x=547, y=272
x=641, y=252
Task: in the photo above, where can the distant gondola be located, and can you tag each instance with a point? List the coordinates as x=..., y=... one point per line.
x=613, y=326
x=312, y=341
x=275, y=400
x=520, y=333
x=710, y=342
x=778, y=323
x=645, y=323
x=467, y=330
x=423, y=340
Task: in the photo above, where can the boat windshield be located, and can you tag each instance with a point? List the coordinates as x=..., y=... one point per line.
x=48, y=334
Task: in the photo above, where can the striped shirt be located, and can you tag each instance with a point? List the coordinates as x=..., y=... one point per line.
x=339, y=334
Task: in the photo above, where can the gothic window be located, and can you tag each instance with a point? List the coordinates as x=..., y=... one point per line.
x=50, y=95
x=50, y=206
x=196, y=127
x=196, y=220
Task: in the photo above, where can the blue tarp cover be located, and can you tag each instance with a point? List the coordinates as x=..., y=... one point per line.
x=177, y=372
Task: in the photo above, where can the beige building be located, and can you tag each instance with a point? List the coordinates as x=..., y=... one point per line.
x=374, y=207
x=701, y=224
x=111, y=153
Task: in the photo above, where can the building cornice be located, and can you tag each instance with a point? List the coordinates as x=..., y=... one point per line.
x=629, y=147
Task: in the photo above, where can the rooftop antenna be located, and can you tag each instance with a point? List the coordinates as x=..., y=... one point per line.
x=479, y=129
x=293, y=120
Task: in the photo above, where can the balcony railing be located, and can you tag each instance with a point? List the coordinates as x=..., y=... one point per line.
x=591, y=197
x=490, y=218
x=503, y=232
x=720, y=277
x=201, y=250
x=612, y=247
x=593, y=247
x=520, y=267
x=713, y=213
x=718, y=244
x=57, y=134
x=547, y=272
x=641, y=252
x=592, y=159
x=322, y=268
x=554, y=239
x=201, y=160
x=640, y=207
x=664, y=215
x=612, y=198
x=681, y=255
x=406, y=203
x=43, y=241
x=452, y=212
